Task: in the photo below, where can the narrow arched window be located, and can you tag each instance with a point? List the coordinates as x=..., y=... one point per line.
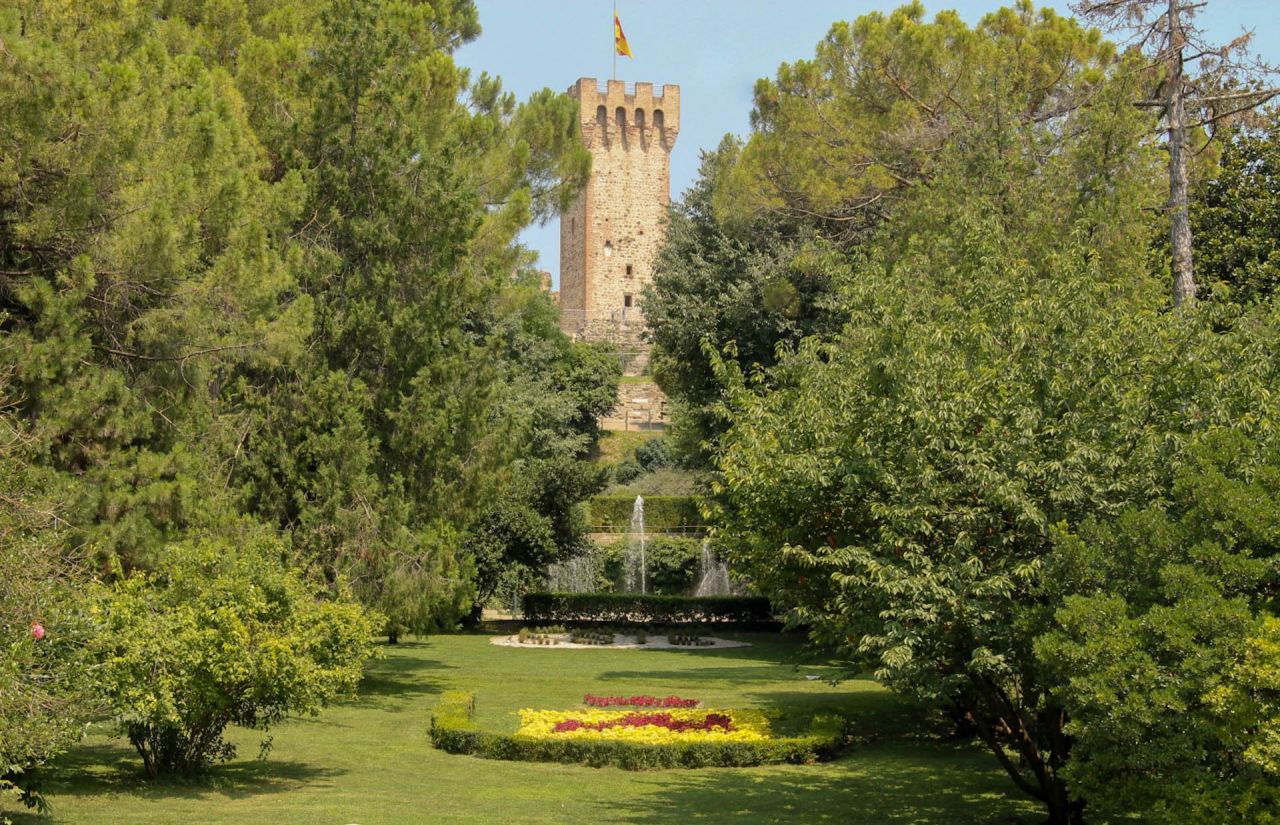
x=602, y=124
x=621, y=117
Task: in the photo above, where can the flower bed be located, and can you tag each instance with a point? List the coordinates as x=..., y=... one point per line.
x=453, y=730
x=653, y=728
x=638, y=701
x=638, y=720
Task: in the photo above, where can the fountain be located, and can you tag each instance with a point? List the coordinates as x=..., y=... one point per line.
x=633, y=569
x=713, y=575
x=575, y=575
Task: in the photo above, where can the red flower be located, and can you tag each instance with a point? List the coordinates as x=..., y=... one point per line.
x=638, y=701
x=638, y=720
x=37, y=631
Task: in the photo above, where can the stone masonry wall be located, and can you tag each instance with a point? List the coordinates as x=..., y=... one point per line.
x=640, y=407
x=610, y=237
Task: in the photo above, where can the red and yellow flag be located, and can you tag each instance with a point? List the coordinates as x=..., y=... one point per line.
x=619, y=39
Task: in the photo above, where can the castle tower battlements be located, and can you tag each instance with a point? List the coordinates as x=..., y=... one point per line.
x=610, y=236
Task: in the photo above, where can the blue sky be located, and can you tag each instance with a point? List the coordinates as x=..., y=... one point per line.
x=714, y=50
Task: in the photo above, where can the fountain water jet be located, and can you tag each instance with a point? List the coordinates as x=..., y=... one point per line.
x=633, y=570
x=713, y=575
x=574, y=575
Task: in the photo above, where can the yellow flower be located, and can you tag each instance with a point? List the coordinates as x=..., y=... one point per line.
x=747, y=726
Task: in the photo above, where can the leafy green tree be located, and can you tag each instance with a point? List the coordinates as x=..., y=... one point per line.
x=1004, y=365
x=723, y=280
x=138, y=266
x=1159, y=649
x=1027, y=114
x=1235, y=215
x=46, y=631
x=222, y=633
x=910, y=471
x=559, y=389
x=254, y=259
x=840, y=139
x=421, y=180
x=1195, y=85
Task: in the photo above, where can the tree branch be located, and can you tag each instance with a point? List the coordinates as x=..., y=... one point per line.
x=137, y=356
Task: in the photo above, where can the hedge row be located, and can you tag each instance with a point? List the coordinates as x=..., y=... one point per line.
x=453, y=730
x=633, y=608
x=660, y=512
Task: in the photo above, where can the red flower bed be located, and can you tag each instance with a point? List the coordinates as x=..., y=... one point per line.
x=638, y=701
x=639, y=720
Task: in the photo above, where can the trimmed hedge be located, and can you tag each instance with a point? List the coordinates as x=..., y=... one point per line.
x=633, y=608
x=453, y=730
x=660, y=512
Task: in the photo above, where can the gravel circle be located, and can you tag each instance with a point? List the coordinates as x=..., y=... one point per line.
x=621, y=641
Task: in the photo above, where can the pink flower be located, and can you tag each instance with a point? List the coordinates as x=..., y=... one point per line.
x=37, y=631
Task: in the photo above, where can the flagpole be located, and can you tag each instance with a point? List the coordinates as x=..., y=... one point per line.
x=614, y=38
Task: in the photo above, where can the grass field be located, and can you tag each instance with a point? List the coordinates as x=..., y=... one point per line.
x=613, y=447
x=368, y=761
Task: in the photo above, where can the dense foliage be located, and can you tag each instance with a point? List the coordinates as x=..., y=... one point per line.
x=1165, y=647
x=46, y=630
x=1236, y=218
x=660, y=512
x=1027, y=114
x=671, y=564
x=1009, y=478
x=260, y=260
x=269, y=347
x=222, y=634
x=726, y=281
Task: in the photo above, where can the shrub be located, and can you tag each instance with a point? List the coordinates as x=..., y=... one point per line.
x=628, y=470
x=664, y=481
x=749, y=611
x=660, y=512
x=47, y=641
x=655, y=454
x=223, y=633
x=671, y=564
x=589, y=637
x=689, y=640
x=453, y=730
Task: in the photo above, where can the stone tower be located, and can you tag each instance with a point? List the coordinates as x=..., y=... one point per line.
x=611, y=235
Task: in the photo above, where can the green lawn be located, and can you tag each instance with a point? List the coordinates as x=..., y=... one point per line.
x=614, y=446
x=368, y=761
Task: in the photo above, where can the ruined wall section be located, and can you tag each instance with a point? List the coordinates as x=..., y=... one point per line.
x=609, y=239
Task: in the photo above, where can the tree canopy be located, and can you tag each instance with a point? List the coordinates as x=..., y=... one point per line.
x=261, y=260
x=1001, y=472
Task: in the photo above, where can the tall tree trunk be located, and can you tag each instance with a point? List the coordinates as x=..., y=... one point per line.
x=1184, y=282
